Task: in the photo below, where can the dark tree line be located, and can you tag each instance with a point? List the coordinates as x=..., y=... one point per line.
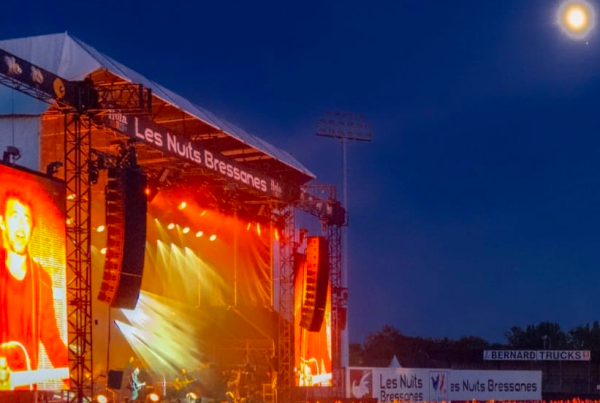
x=380, y=347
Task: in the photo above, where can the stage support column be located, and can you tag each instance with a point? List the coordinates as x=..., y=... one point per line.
x=79, y=287
x=285, y=376
x=334, y=237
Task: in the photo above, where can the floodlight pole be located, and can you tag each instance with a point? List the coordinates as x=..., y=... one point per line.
x=344, y=126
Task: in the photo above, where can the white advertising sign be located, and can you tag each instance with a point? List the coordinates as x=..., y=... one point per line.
x=406, y=384
x=536, y=355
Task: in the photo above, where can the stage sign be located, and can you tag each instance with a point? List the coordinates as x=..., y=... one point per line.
x=435, y=385
x=536, y=355
x=47, y=83
x=146, y=131
x=33, y=301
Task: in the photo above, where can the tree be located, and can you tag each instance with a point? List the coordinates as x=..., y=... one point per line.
x=357, y=354
x=380, y=347
x=472, y=343
x=545, y=335
x=586, y=337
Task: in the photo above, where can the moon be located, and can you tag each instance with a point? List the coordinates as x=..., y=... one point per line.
x=576, y=18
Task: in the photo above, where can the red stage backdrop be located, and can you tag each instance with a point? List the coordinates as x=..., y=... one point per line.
x=33, y=323
x=312, y=350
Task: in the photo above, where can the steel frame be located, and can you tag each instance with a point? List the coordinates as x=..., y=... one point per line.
x=334, y=237
x=78, y=128
x=131, y=98
x=287, y=248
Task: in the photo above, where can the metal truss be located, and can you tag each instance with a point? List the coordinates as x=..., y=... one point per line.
x=27, y=89
x=124, y=97
x=78, y=129
x=285, y=376
x=338, y=302
x=321, y=201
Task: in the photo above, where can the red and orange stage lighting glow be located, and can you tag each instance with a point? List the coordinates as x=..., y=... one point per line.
x=199, y=292
x=162, y=333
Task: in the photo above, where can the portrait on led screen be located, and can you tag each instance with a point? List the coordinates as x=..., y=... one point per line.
x=33, y=325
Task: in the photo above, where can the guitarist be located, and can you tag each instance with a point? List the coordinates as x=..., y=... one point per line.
x=135, y=385
x=182, y=384
x=27, y=316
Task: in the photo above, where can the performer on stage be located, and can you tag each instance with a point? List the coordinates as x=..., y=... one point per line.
x=27, y=316
x=135, y=385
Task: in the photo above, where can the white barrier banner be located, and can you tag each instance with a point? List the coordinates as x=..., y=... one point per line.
x=536, y=355
x=406, y=384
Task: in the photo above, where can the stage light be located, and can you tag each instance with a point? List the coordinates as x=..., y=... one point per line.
x=186, y=230
x=171, y=226
x=11, y=154
x=103, y=251
x=71, y=196
x=182, y=205
x=258, y=229
x=199, y=234
x=576, y=18
x=100, y=228
x=150, y=191
x=202, y=213
x=213, y=237
x=153, y=397
x=276, y=234
x=69, y=221
x=248, y=226
x=52, y=168
x=101, y=399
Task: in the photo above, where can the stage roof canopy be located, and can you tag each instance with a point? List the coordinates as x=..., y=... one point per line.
x=72, y=59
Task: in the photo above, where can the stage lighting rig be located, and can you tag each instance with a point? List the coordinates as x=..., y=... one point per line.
x=132, y=154
x=93, y=171
x=52, y=168
x=97, y=163
x=11, y=155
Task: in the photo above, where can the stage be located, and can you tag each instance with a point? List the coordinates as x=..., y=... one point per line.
x=221, y=282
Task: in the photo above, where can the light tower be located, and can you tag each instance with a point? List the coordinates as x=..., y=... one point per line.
x=344, y=126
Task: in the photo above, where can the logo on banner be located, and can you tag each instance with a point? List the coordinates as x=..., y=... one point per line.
x=438, y=385
x=361, y=382
x=118, y=121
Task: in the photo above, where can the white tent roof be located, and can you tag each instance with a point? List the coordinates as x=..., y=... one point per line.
x=72, y=59
x=395, y=363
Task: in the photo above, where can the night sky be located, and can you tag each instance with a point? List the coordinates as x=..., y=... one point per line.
x=476, y=206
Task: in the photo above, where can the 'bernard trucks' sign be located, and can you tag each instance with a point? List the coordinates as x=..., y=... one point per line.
x=536, y=355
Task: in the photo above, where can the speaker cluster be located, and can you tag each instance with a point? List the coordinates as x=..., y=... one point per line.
x=126, y=207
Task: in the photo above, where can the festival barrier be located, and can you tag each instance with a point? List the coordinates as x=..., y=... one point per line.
x=438, y=385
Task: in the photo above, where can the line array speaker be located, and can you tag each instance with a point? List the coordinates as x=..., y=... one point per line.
x=314, y=300
x=126, y=207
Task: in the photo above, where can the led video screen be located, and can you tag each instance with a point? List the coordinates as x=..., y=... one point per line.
x=312, y=350
x=33, y=322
